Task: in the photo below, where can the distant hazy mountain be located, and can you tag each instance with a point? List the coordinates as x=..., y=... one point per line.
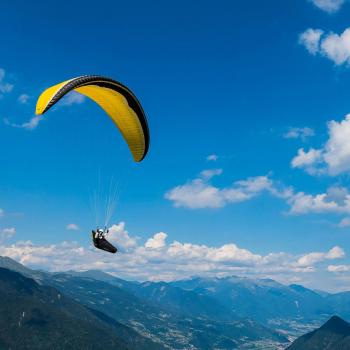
x=39, y=317
x=340, y=303
x=104, y=277
x=333, y=335
x=8, y=263
x=183, y=301
x=159, y=322
x=232, y=298
x=261, y=299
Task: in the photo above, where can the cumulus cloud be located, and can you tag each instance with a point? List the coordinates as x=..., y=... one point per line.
x=157, y=241
x=159, y=260
x=308, y=161
x=200, y=193
x=311, y=259
x=23, y=99
x=4, y=86
x=226, y=253
x=345, y=222
x=196, y=194
x=29, y=125
x=120, y=236
x=338, y=268
x=334, y=157
x=329, y=6
x=72, y=98
x=9, y=230
x=337, y=149
x=335, y=47
x=6, y=233
x=299, y=133
x=212, y=157
x=72, y=227
x=26, y=252
x=311, y=40
x=335, y=200
x=208, y=174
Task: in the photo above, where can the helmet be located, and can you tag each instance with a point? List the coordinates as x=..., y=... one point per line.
x=99, y=230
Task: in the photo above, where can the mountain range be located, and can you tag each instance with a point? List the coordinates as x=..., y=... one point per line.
x=169, y=323
x=41, y=317
x=198, y=313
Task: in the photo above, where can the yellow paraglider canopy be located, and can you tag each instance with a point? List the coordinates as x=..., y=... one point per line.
x=115, y=99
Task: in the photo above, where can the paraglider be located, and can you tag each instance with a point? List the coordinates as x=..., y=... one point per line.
x=100, y=241
x=120, y=104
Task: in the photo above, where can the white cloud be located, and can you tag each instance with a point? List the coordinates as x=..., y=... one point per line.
x=338, y=268
x=2, y=212
x=72, y=227
x=345, y=222
x=304, y=159
x=69, y=100
x=208, y=174
x=159, y=260
x=157, y=241
x=336, y=200
x=72, y=98
x=329, y=6
x=212, y=157
x=225, y=253
x=337, y=149
x=307, y=160
x=196, y=194
x=335, y=47
x=334, y=156
x=311, y=259
x=299, y=133
x=254, y=185
x=335, y=253
x=311, y=40
x=4, y=86
x=7, y=233
x=120, y=236
x=200, y=193
x=29, y=125
x=9, y=230
x=23, y=99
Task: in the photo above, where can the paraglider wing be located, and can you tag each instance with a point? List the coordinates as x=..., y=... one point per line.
x=115, y=99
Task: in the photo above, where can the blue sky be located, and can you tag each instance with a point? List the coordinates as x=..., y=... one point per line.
x=262, y=86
